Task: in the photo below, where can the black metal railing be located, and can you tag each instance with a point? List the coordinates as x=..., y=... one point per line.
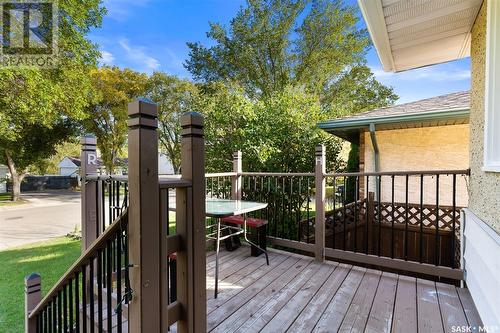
x=111, y=193
x=412, y=216
x=95, y=287
x=290, y=199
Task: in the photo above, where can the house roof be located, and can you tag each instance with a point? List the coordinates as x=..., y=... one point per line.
x=76, y=160
x=450, y=109
x=411, y=34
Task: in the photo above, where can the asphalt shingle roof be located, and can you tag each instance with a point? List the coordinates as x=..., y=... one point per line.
x=76, y=160
x=439, y=103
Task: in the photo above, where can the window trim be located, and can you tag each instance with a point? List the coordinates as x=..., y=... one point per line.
x=492, y=81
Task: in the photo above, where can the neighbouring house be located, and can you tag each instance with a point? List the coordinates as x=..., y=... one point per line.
x=165, y=167
x=430, y=134
x=412, y=34
x=4, y=170
x=70, y=166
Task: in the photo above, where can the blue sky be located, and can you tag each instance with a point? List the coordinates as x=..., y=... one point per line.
x=149, y=35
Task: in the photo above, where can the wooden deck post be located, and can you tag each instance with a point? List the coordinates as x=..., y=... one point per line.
x=88, y=166
x=191, y=263
x=144, y=226
x=236, y=180
x=319, y=220
x=32, y=296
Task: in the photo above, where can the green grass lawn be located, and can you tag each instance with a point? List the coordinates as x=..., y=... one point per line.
x=50, y=259
x=5, y=200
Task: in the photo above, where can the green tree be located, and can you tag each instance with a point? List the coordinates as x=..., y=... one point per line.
x=229, y=124
x=38, y=106
x=113, y=89
x=272, y=44
x=50, y=165
x=297, y=62
x=278, y=133
x=352, y=166
x=356, y=91
x=38, y=142
x=290, y=133
x=174, y=97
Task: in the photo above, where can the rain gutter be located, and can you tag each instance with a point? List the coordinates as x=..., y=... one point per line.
x=447, y=114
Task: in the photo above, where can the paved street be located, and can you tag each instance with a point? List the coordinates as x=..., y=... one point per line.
x=47, y=215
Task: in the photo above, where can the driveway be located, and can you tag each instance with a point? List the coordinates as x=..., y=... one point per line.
x=46, y=215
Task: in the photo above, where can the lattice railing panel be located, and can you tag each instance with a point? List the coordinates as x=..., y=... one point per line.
x=416, y=214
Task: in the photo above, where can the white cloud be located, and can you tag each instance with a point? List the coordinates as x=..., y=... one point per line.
x=120, y=10
x=138, y=55
x=173, y=63
x=425, y=74
x=107, y=58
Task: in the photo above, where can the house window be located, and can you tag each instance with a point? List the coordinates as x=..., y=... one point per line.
x=492, y=89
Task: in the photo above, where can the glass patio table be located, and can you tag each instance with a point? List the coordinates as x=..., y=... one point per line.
x=220, y=208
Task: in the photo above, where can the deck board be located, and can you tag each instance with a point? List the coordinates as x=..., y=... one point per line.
x=429, y=317
x=473, y=318
x=452, y=311
x=266, y=313
x=357, y=314
x=235, y=272
x=334, y=314
x=242, y=307
x=296, y=294
x=229, y=288
x=287, y=268
x=307, y=319
x=285, y=317
x=227, y=269
x=405, y=306
x=382, y=310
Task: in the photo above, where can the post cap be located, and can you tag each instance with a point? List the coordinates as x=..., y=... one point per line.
x=320, y=149
x=192, y=119
x=88, y=140
x=142, y=107
x=33, y=278
x=237, y=155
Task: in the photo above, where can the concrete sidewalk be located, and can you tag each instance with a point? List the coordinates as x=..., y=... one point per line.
x=46, y=215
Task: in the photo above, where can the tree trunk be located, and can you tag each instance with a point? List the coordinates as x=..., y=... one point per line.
x=16, y=177
x=16, y=188
x=176, y=167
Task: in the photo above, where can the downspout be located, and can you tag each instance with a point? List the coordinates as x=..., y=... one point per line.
x=376, y=155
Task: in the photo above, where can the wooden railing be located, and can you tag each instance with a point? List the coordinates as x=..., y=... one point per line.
x=405, y=220
x=122, y=281
x=128, y=232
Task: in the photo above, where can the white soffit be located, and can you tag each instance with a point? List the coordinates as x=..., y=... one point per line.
x=414, y=33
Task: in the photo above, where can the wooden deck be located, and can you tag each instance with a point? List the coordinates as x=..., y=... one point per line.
x=296, y=294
